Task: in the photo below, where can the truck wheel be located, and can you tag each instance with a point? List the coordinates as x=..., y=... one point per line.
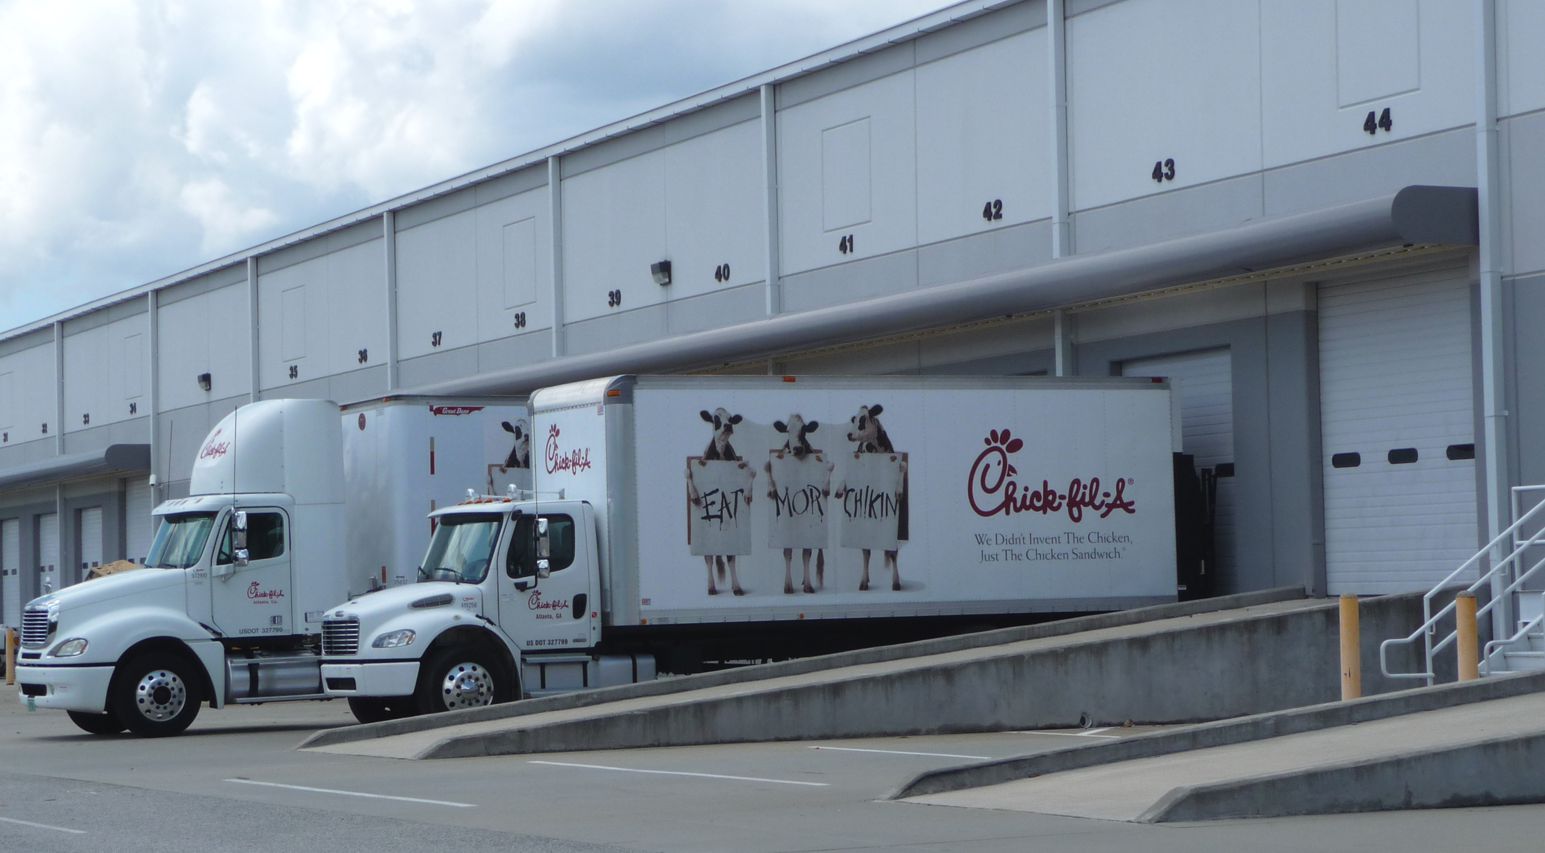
x=460, y=677
x=97, y=724
x=371, y=710
x=156, y=695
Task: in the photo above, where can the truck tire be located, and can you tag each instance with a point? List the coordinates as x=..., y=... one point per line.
x=156, y=694
x=460, y=677
x=375, y=710
x=97, y=724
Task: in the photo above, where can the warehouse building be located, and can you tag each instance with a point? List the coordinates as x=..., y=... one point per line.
x=1316, y=217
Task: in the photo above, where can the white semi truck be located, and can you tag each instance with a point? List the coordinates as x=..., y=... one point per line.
x=680, y=522
x=292, y=508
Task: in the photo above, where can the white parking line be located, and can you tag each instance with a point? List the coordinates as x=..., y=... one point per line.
x=682, y=773
x=44, y=826
x=351, y=793
x=900, y=752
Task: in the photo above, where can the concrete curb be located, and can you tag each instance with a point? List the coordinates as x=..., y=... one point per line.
x=1222, y=733
x=1495, y=772
x=881, y=654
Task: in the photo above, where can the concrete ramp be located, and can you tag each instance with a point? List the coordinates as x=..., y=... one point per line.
x=1478, y=754
x=1183, y=668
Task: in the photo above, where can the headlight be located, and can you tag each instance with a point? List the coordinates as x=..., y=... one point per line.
x=70, y=648
x=393, y=639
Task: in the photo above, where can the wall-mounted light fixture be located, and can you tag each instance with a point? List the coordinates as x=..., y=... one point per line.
x=661, y=272
x=205, y=381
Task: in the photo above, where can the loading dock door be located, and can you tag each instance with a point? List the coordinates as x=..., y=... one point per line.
x=48, y=553
x=90, y=544
x=10, y=563
x=1397, y=432
x=137, y=523
x=1203, y=384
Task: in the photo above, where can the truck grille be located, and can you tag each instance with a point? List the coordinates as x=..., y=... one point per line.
x=340, y=637
x=34, y=628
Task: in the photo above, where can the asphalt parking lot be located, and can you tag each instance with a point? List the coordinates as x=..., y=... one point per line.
x=236, y=782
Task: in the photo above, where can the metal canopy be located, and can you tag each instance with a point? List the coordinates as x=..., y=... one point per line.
x=113, y=459
x=1414, y=216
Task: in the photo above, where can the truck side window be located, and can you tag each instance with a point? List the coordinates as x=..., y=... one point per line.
x=265, y=538
x=560, y=540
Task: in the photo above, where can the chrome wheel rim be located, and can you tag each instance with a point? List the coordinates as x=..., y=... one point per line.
x=467, y=685
x=160, y=695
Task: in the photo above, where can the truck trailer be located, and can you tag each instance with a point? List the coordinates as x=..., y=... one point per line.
x=293, y=506
x=682, y=522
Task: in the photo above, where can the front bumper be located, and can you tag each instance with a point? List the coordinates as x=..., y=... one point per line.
x=380, y=678
x=66, y=688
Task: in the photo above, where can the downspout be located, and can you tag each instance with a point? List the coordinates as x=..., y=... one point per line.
x=389, y=245
x=1061, y=235
x=1493, y=389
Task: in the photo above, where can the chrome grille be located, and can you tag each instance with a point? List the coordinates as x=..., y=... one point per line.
x=34, y=628
x=340, y=637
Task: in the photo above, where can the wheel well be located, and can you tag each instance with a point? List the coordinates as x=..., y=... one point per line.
x=166, y=646
x=482, y=639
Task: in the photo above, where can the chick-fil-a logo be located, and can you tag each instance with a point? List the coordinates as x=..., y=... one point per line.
x=991, y=491
x=572, y=461
x=540, y=605
x=256, y=592
x=213, y=449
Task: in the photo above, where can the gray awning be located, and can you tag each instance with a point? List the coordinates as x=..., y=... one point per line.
x=113, y=459
x=1417, y=215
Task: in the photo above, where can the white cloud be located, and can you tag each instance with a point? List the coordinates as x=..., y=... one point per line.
x=142, y=137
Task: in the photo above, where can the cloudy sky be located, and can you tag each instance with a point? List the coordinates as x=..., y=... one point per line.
x=139, y=138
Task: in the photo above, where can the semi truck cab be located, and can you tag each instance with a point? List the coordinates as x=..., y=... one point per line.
x=228, y=608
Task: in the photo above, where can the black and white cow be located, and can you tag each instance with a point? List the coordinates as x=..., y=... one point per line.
x=868, y=436
x=520, y=454
x=719, y=448
x=798, y=444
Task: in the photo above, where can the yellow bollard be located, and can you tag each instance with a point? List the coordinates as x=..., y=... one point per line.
x=10, y=656
x=1351, y=650
x=1469, y=637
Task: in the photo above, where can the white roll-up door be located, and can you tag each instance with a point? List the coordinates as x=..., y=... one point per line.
x=10, y=562
x=1203, y=384
x=138, y=526
x=48, y=552
x=1397, y=432
x=90, y=541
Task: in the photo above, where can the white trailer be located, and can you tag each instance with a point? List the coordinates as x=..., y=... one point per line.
x=679, y=521
x=228, y=608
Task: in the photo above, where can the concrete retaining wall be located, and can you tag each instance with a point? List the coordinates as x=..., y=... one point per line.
x=1488, y=773
x=1222, y=733
x=1174, y=671
x=742, y=675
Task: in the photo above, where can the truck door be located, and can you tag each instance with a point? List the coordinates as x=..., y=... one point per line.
x=560, y=611
x=254, y=600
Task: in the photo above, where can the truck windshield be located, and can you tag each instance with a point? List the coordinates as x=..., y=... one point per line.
x=180, y=540
x=461, y=548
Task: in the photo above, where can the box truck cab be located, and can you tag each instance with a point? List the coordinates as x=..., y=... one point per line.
x=506, y=586
x=229, y=603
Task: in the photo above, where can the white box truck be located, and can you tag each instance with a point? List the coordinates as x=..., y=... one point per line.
x=292, y=507
x=682, y=521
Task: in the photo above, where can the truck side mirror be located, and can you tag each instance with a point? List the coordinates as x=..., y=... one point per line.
x=543, y=569
x=240, y=555
x=543, y=544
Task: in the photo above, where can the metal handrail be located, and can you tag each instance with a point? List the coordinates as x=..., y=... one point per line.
x=1491, y=647
x=1431, y=620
